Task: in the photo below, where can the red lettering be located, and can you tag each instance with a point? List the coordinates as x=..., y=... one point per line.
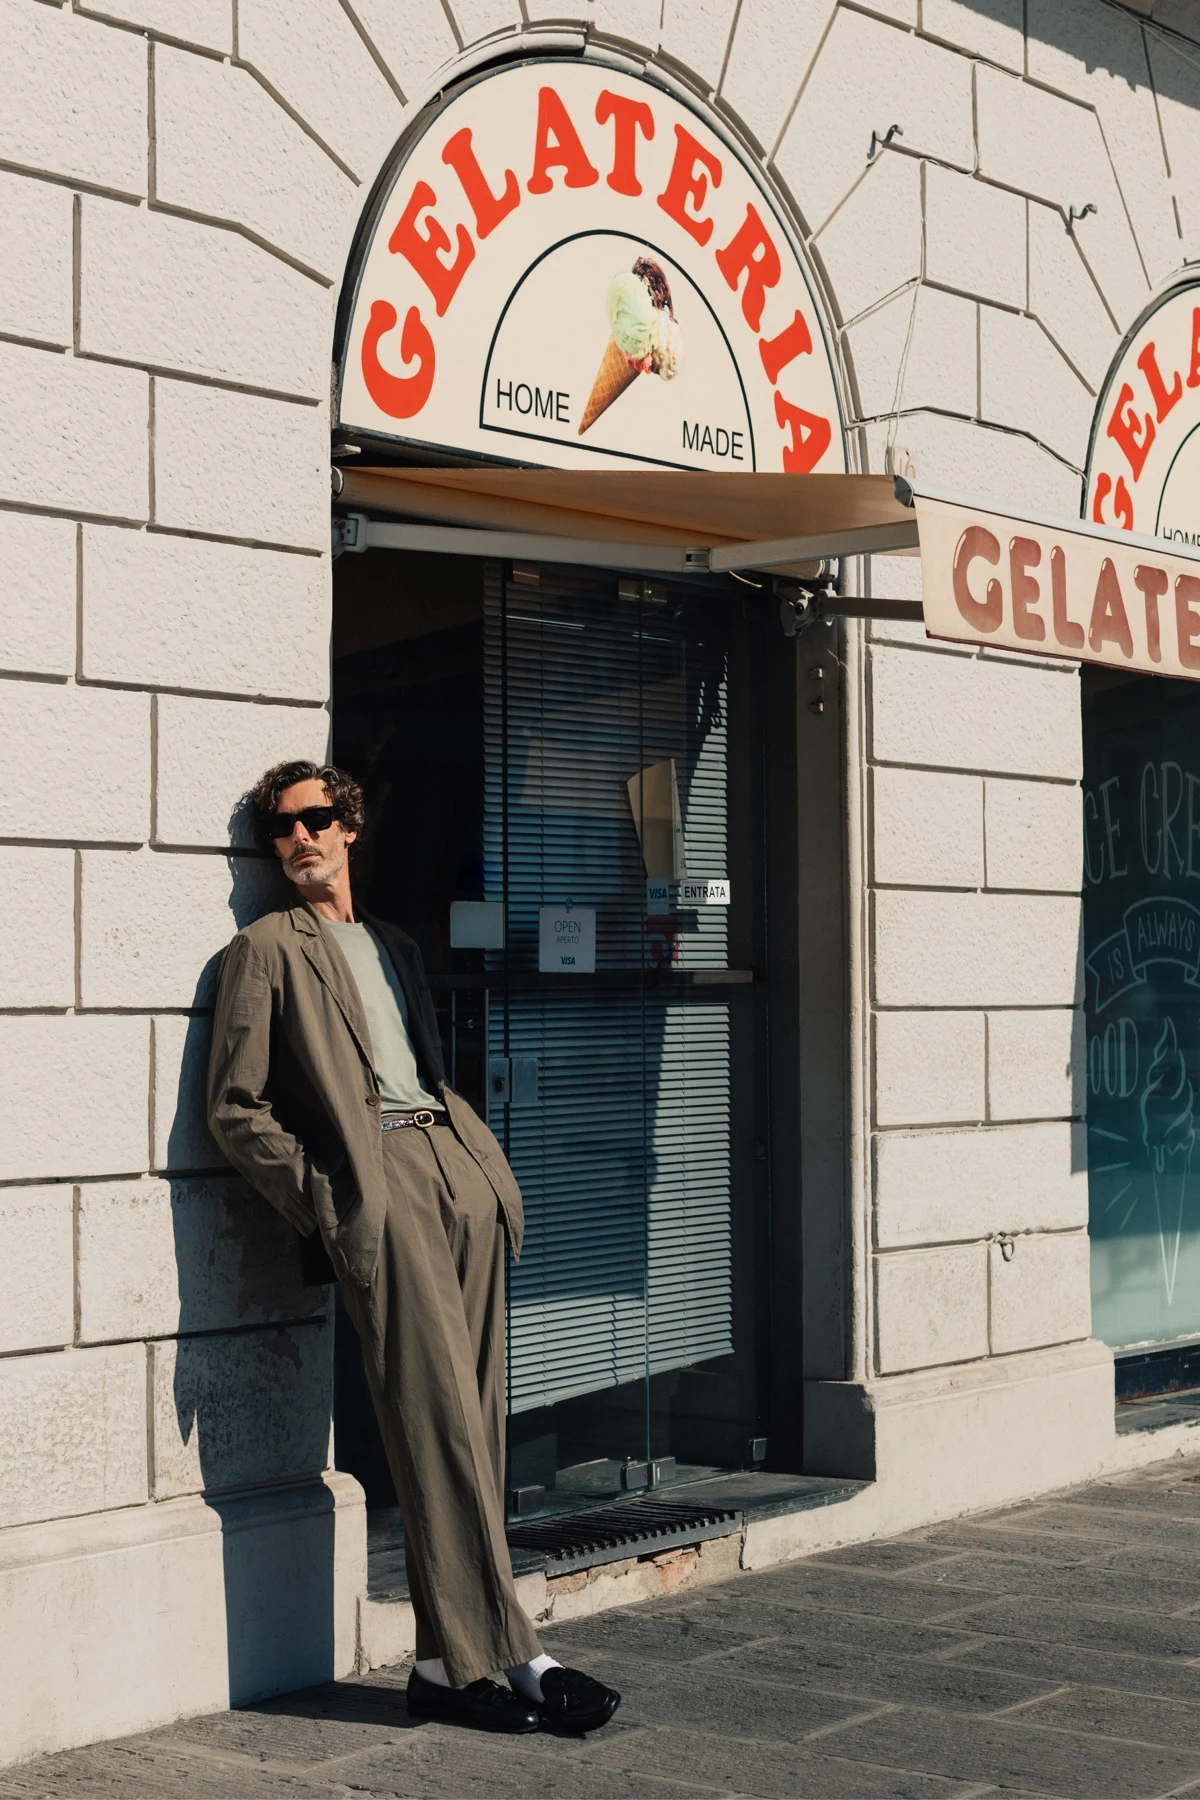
x=810, y=435
x=1153, y=583
x=981, y=615
x=777, y=352
x=1187, y=619
x=1109, y=624
x=1163, y=398
x=1122, y=503
x=489, y=208
x=628, y=117
x=750, y=252
x=400, y=396
x=1103, y=486
x=425, y=251
x=1025, y=554
x=557, y=146
x=1124, y=427
x=687, y=185
x=1193, y=379
x=1068, y=633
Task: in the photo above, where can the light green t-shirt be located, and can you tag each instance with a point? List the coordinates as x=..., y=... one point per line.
x=384, y=1003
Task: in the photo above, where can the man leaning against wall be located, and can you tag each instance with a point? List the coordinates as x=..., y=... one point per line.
x=327, y=1091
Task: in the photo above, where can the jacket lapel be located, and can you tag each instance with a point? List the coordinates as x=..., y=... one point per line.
x=330, y=967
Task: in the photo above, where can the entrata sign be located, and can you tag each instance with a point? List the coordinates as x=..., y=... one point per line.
x=569, y=266
x=1055, y=589
x=1144, y=471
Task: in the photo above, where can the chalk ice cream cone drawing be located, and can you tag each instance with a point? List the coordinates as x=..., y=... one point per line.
x=645, y=337
x=1168, y=1132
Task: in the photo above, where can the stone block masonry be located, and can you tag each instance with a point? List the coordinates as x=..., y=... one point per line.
x=171, y=612
x=164, y=539
x=40, y=563
x=192, y=1254
x=79, y=1417
x=279, y=1429
x=177, y=205
x=37, y=1298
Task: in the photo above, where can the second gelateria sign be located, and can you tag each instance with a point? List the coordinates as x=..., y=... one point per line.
x=567, y=266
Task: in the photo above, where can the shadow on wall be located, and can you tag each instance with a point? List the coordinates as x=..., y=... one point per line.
x=242, y=1394
x=1104, y=38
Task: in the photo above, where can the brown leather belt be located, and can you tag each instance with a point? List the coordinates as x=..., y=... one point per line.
x=421, y=1119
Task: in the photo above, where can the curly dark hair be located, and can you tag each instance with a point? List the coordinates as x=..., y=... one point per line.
x=345, y=794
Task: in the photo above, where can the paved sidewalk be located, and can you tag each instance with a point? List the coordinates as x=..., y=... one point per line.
x=1052, y=1649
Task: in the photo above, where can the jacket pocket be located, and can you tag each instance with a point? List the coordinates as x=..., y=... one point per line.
x=333, y=1191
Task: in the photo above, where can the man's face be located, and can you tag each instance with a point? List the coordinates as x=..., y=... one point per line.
x=311, y=859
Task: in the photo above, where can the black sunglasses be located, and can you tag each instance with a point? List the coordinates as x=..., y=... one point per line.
x=313, y=818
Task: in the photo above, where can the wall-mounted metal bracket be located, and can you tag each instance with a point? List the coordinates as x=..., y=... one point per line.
x=803, y=605
x=349, y=532
x=881, y=140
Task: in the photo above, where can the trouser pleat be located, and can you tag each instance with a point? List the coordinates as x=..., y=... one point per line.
x=432, y=1330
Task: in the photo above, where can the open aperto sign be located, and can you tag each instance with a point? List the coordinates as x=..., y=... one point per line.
x=569, y=265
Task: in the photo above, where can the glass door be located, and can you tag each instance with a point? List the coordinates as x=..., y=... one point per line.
x=563, y=772
x=619, y=840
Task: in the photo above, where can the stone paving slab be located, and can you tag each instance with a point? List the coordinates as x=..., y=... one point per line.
x=1048, y=1652
x=1097, y=1584
x=1011, y=1751
x=1058, y=1663
x=1113, y=1525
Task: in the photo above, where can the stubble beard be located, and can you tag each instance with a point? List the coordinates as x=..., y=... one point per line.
x=325, y=868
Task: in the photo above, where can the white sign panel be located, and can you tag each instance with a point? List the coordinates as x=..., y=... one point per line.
x=1058, y=589
x=666, y=896
x=569, y=267
x=704, y=893
x=567, y=940
x=1144, y=468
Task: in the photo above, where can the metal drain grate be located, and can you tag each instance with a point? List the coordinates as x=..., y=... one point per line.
x=609, y=1533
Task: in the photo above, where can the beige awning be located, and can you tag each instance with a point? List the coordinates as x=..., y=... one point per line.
x=992, y=577
x=657, y=519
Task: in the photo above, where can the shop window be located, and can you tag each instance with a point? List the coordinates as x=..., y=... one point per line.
x=1141, y=799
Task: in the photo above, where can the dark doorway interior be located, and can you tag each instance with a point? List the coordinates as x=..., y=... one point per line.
x=497, y=718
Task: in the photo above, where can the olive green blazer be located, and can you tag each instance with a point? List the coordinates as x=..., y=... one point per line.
x=293, y=1098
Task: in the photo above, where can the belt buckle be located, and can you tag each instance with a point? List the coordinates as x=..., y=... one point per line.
x=423, y=1119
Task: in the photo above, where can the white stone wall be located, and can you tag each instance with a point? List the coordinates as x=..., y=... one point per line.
x=180, y=187
x=988, y=334
x=163, y=635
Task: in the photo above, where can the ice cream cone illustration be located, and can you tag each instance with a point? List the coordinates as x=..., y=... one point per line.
x=645, y=337
x=1168, y=1132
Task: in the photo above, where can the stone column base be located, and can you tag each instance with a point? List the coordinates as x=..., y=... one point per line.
x=117, y=1622
x=945, y=1441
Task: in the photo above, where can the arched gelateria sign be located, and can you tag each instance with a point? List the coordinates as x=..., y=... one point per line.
x=1110, y=595
x=1144, y=467
x=569, y=266
x=1141, y=830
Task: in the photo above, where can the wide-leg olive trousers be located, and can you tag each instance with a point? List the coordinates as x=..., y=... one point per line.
x=432, y=1331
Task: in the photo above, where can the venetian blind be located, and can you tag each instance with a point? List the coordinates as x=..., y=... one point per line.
x=624, y=1161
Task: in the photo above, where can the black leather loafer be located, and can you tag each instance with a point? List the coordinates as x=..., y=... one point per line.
x=574, y=1702
x=484, y=1704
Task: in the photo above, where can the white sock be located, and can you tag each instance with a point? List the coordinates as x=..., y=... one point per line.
x=434, y=1670
x=527, y=1677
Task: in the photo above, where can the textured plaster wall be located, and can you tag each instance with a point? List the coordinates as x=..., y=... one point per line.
x=179, y=186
